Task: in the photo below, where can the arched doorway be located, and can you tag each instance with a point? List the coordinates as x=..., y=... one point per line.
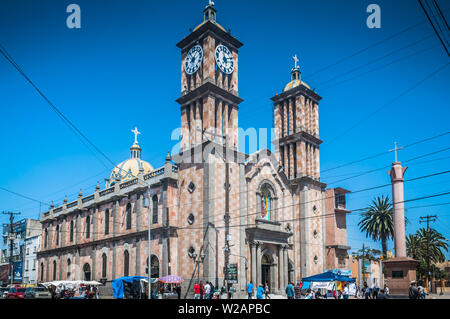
x=87, y=272
x=126, y=263
x=154, y=267
x=290, y=271
x=266, y=262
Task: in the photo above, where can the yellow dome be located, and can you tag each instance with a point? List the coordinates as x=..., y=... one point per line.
x=293, y=84
x=128, y=170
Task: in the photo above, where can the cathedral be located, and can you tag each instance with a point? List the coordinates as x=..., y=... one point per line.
x=216, y=214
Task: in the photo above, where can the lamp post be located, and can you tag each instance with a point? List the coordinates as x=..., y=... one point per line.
x=198, y=262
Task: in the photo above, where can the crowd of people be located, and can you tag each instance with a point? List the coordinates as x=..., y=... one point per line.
x=81, y=292
x=416, y=291
x=206, y=290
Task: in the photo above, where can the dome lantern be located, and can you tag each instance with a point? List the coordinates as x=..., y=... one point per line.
x=132, y=167
x=295, y=77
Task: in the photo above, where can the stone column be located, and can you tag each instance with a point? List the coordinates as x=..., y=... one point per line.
x=397, y=172
x=138, y=212
x=286, y=265
x=258, y=205
x=94, y=262
x=94, y=223
x=253, y=253
x=258, y=263
x=138, y=256
x=281, y=267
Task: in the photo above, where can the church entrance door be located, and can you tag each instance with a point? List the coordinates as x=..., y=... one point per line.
x=265, y=270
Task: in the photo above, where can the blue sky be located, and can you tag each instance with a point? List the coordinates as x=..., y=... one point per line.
x=122, y=69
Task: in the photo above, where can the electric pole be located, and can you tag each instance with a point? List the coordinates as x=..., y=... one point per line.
x=11, y=244
x=427, y=219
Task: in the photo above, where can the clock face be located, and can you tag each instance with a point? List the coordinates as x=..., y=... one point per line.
x=193, y=59
x=224, y=59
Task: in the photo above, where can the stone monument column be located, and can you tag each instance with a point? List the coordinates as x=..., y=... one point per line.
x=401, y=270
x=397, y=172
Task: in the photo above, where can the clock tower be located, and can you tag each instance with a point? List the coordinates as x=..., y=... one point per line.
x=209, y=84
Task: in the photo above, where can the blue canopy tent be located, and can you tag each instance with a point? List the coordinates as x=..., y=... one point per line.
x=328, y=276
x=118, y=285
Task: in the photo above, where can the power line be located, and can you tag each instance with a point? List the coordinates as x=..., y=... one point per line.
x=385, y=152
x=409, y=89
x=434, y=27
x=376, y=60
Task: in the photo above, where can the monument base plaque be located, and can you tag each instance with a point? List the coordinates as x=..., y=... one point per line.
x=400, y=271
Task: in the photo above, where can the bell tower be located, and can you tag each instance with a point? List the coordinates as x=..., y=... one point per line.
x=296, y=118
x=209, y=83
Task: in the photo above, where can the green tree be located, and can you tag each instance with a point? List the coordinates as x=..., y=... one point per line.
x=426, y=243
x=377, y=221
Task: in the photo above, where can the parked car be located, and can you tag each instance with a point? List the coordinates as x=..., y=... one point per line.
x=16, y=293
x=37, y=293
x=3, y=292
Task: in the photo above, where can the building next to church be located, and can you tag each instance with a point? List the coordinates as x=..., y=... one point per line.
x=25, y=235
x=216, y=213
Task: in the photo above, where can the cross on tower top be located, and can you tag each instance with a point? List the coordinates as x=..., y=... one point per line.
x=136, y=133
x=295, y=60
x=395, y=150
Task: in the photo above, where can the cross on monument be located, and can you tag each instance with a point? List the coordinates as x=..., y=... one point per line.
x=395, y=150
x=296, y=60
x=136, y=133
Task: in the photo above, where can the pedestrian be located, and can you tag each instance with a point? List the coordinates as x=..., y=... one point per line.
x=345, y=291
x=366, y=291
x=382, y=294
x=290, y=291
x=297, y=291
x=250, y=288
x=413, y=291
x=231, y=291
x=266, y=291
x=202, y=290
x=309, y=294
x=213, y=289
x=318, y=294
x=386, y=291
x=178, y=290
x=208, y=290
x=421, y=292
x=375, y=292
x=260, y=292
x=197, y=289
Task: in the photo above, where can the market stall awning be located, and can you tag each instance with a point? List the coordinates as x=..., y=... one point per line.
x=117, y=285
x=328, y=276
x=171, y=279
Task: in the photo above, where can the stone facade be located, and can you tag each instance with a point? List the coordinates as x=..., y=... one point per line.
x=264, y=212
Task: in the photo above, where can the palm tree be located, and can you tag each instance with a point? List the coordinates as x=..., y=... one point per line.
x=413, y=246
x=378, y=221
x=426, y=243
x=435, y=242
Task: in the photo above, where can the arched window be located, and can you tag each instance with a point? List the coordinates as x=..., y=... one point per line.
x=42, y=272
x=71, y=230
x=155, y=267
x=155, y=209
x=128, y=212
x=104, y=264
x=87, y=272
x=45, y=238
x=126, y=263
x=266, y=202
x=54, y=270
x=107, y=222
x=88, y=226
x=57, y=235
x=68, y=268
